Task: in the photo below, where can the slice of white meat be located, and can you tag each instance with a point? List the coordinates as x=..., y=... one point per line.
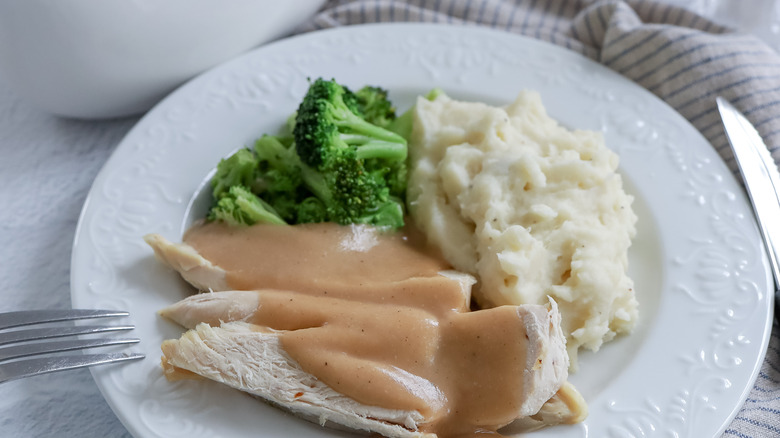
x=236, y=305
x=250, y=359
x=185, y=260
x=547, y=360
x=567, y=406
x=213, y=308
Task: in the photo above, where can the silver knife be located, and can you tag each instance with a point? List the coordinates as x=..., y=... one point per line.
x=762, y=180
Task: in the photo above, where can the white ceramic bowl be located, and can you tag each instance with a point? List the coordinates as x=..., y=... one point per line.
x=110, y=58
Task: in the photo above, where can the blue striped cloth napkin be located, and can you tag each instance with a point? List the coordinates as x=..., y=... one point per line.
x=684, y=58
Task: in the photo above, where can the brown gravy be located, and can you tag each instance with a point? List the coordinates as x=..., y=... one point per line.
x=309, y=258
x=371, y=317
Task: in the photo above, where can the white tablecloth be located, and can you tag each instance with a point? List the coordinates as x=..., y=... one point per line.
x=47, y=165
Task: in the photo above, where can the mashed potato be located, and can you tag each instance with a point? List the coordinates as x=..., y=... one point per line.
x=529, y=207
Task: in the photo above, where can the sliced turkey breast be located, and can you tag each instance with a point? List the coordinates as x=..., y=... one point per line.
x=229, y=345
x=184, y=259
x=363, y=329
x=243, y=356
x=236, y=305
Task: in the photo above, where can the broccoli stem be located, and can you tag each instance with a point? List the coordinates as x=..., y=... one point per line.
x=368, y=147
x=381, y=149
x=402, y=125
x=347, y=119
x=260, y=212
x=315, y=182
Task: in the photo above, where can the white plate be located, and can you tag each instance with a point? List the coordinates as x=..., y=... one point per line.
x=701, y=275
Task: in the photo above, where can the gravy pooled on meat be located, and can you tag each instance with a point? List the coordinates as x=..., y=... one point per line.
x=312, y=256
x=371, y=316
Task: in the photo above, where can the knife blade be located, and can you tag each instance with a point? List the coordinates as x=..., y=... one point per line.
x=762, y=181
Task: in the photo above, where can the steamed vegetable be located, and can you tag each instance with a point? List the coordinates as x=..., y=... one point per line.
x=239, y=206
x=339, y=165
x=357, y=162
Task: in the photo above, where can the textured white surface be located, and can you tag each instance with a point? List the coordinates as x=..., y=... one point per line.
x=684, y=372
x=47, y=165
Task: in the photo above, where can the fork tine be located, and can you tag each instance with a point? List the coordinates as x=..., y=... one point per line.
x=57, y=346
x=56, y=332
x=33, y=367
x=26, y=317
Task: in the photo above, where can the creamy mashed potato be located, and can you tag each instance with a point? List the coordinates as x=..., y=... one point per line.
x=529, y=207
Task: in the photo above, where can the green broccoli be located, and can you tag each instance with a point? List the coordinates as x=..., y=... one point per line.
x=242, y=175
x=329, y=118
x=375, y=107
x=293, y=189
x=333, y=163
x=311, y=210
x=238, y=169
x=279, y=179
x=350, y=165
x=239, y=206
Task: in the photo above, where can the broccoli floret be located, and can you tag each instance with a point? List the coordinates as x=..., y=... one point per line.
x=311, y=210
x=394, y=175
x=278, y=165
x=349, y=164
x=361, y=195
x=279, y=176
x=333, y=163
x=329, y=118
x=238, y=169
x=239, y=207
x=375, y=107
x=297, y=192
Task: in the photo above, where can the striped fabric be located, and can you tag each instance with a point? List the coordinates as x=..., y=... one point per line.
x=685, y=59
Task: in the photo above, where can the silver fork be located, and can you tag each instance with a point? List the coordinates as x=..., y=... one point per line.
x=12, y=368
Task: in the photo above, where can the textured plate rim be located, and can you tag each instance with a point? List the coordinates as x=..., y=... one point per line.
x=77, y=286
